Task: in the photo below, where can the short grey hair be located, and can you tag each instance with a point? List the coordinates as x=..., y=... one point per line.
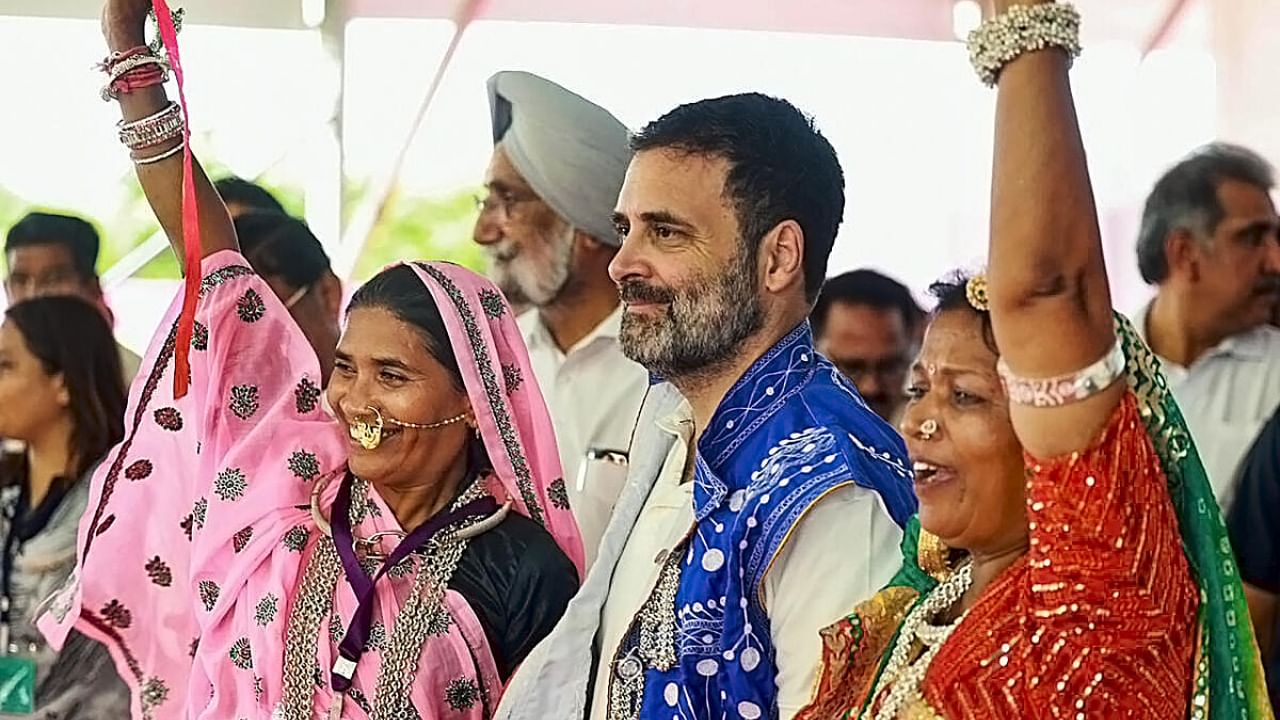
x=1186, y=198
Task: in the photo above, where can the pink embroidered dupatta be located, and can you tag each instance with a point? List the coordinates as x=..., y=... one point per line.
x=199, y=534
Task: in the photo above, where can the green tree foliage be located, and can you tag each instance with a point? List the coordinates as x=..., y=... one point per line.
x=411, y=227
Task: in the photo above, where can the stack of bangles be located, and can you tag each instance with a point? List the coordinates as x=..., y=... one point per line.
x=133, y=70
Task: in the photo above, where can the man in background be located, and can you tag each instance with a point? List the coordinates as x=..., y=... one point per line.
x=290, y=258
x=53, y=254
x=868, y=325
x=558, y=163
x=1210, y=243
x=242, y=196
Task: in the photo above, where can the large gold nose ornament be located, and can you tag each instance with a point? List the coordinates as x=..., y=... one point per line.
x=368, y=433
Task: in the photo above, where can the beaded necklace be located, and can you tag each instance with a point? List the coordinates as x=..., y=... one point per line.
x=904, y=678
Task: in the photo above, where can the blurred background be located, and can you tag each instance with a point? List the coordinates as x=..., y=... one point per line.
x=369, y=118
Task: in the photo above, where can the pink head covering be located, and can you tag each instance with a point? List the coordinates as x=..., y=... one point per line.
x=507, y=403
x=191, y=552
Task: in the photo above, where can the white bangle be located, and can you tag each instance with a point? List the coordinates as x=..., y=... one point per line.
x=152, y=159
x=1064, y=389
x=1023, y=29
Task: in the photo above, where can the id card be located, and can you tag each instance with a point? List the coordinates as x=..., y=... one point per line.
x=17, y=686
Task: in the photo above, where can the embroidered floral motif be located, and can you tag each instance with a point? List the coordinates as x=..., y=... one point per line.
x=558, y=494
x=116, y=615
x=199, y=512
x=209, y=594
x=200, y=336
x=169, y=419
x=462, y=694
x=296, y=539
x=492, y=303
x=304, y=465
x=250, y=307
x=230, y=485
x=241, y=539
x=159, y=572
x=265, y=612
x=438, y=622
x=244, y=401
x=377, y=638
x=336, y=629
x=195, y=645
x=257, y=689
x=187, y=525
x=154, y=693
x=241, y=654
x=306, y=396
x=512, y=378
x=140, y=470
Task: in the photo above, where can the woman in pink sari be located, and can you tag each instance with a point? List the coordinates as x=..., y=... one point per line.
x=250, y=551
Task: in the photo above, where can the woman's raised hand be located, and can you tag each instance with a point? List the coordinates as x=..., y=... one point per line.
x=124, y=22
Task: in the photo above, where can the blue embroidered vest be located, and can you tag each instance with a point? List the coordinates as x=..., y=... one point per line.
x=790, y=431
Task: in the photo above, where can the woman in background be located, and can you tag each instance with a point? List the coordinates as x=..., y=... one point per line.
x=62, y=395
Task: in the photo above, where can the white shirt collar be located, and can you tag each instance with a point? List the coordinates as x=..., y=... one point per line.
x=537, y=334
x=1250, y=345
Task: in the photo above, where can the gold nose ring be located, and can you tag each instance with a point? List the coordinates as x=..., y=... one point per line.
x=928, y=428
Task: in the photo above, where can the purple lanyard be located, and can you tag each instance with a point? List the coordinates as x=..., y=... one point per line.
x=353, y=643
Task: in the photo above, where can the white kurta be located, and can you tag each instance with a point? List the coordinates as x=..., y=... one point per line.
x=594, y=393
x=818, y=575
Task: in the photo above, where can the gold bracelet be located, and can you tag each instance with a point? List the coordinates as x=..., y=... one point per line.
x=1023, y=29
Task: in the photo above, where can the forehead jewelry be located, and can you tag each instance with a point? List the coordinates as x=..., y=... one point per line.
x=928, y=428
x=369, y=433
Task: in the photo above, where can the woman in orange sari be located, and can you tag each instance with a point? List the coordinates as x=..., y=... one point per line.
x=1068, y=560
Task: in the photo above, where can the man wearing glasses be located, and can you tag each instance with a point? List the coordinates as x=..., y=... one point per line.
x=546, y=224
x=868, y=325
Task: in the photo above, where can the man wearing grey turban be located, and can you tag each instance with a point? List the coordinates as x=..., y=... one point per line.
x=558, y=163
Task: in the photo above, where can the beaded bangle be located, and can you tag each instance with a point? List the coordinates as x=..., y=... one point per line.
x=155, y=129
x=1023, y=29
x=111, y=60
x=1064, y=389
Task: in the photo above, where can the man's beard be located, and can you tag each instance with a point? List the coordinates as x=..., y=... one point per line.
x=704, y=325
x=535, y=278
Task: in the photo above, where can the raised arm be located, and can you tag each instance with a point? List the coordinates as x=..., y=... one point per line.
x=1049, y=298
x=123, y=27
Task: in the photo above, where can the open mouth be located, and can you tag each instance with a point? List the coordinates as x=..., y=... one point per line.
x=927, y=474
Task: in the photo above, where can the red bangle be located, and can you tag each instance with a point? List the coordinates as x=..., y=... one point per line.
x=139, y=78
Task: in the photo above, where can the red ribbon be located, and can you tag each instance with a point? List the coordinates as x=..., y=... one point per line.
x=190, y=213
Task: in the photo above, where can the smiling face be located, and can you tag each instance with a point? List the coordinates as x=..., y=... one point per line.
x=969, y=470
x=690, y=285
x=383, y=362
